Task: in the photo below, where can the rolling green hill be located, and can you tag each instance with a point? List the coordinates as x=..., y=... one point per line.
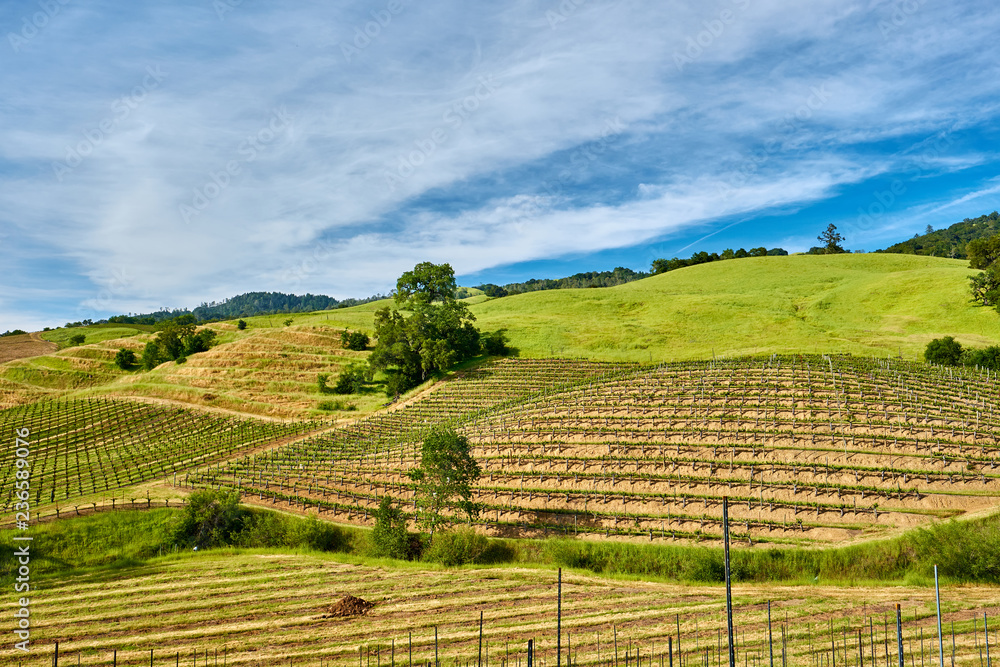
x=874, y=304
x=862, y=304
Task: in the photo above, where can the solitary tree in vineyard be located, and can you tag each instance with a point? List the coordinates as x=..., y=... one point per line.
x=444, y=480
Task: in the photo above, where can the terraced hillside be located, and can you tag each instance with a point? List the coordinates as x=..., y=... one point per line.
x=808, y=449
x=81, y=450
x=268, y=371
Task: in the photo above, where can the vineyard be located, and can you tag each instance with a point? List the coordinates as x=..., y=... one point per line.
x=262, y=609
x=91, y=446
x=808, y=449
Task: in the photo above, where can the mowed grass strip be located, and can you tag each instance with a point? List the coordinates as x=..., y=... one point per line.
x=267, y=608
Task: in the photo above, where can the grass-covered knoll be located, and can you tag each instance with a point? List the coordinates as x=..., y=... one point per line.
x=862, y=304
x=94, y=333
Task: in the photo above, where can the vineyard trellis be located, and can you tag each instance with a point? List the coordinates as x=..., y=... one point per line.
x=813, y=449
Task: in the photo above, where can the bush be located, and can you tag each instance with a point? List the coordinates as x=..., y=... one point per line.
x=390, y=538
x=151, y=356
x=988, y=357
x=354, y=340
x=241, y=325
x=457, y=547
x=944, y=351
x=397, y=382
x=352, y=380
x=77, y=339
x=210, y=519
x=314, y=534
x=494, y=343
x=341, y=406
x=321, y=383
x=125, y=359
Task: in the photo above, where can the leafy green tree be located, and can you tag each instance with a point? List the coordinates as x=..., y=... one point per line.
x=444, y=480
x=77, y=339
x=831, y=239
x=983, y=252
x=210, y=518
x=945, y=351
x=151, y=356
x=125, y=359
x=241, y=325
x=987, y=357
x=354, y=340
x=352, y=379
x=985, y=287
x=425, y=284
x=758, y=252
x=494, y=343
x=409, y=349
x=321, y=383
x=389, y=537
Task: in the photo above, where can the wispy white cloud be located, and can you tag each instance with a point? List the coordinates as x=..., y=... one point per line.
x=781, y=104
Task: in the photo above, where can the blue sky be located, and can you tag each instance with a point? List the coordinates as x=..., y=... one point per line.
x=162, y=154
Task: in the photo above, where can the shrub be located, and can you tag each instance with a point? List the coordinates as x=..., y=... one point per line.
x=988, y=357
x=314, y=534
x=354, y=340
x=241, y=325
x=494, y=343
x=151, y=356
x=352, y=380
x=211, y=518
x=389, y=537
x=77, y=339
x=944, y=351
x=321, y=383
x=125, y=359
x=457, y=547
x=342, y=406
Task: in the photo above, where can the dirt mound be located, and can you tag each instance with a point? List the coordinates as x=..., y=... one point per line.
x=350, y=606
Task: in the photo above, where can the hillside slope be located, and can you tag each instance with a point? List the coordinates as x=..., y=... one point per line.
x=861, y=304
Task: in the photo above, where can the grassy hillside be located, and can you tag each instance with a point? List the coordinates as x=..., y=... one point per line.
x=861, y=304
x=875, y=304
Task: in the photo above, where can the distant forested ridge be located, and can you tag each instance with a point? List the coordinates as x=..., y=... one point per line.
x=950, y=242
x=247, y=305
x=619, y=276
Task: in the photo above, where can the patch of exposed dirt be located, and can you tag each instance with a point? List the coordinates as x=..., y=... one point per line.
x=349, y=606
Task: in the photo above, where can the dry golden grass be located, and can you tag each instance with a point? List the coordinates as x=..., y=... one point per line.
x=268, y=609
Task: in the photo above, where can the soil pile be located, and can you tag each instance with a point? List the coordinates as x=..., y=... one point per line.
x=350, y=606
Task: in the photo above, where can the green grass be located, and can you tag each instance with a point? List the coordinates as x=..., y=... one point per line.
x=966, y=552
x=96, y=333
x=861, y=304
